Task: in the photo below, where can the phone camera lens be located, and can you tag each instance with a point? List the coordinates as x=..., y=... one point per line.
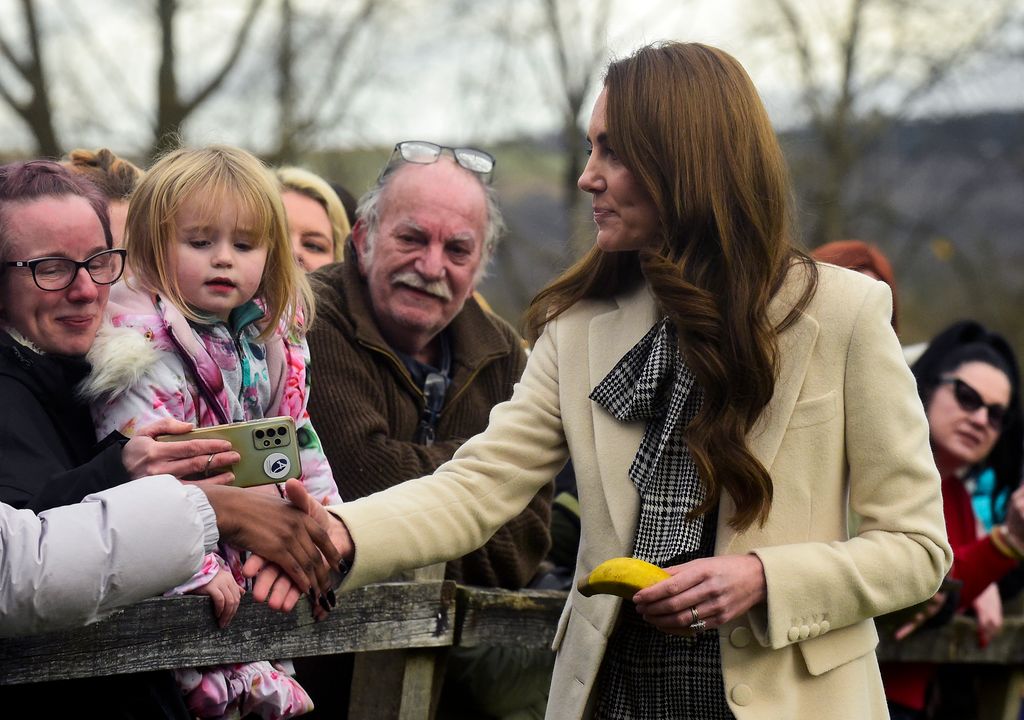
x=266, y=443
x=271, y=432
x=259, y=434
x=281, y=431
x=277, y=441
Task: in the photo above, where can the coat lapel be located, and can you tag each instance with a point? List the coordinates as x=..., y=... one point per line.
x=796, y=347
x=612, y=335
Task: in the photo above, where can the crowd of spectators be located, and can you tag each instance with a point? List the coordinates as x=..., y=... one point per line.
x=208, y=289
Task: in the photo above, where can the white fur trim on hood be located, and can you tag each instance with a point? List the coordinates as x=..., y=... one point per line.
x=120, y=358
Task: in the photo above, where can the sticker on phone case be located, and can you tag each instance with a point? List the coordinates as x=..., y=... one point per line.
x=277, y=465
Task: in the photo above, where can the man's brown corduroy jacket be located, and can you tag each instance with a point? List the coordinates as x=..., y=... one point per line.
x=366, y=407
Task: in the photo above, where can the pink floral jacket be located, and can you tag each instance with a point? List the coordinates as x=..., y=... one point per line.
x=149, y=362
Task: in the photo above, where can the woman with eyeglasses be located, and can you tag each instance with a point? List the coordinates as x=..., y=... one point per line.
x=57, y=263
x=969, y=382
x=725, y=401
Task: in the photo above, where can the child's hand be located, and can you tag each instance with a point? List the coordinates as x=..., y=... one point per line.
x=226, y=596
x=273, y=586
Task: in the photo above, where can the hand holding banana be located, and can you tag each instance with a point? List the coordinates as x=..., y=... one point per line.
x=622, y=576
x=698, y=595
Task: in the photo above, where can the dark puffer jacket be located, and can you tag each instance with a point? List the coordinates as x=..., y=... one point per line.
x=48, y=451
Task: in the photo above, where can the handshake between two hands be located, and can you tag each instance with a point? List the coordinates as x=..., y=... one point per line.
x=298, y=547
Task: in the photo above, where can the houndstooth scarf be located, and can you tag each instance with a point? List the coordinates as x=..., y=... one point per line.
x=646, y=673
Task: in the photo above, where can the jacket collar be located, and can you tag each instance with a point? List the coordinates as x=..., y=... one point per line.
x=46, y=374
x=615, y=332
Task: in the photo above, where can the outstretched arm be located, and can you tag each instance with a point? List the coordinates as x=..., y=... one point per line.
x=72, y=565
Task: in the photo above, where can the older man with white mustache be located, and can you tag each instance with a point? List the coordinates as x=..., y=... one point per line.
x=405, y=363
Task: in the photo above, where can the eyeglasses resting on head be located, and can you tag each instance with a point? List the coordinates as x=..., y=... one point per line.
x=426, y=153
x=970, y=400
x=57, y=273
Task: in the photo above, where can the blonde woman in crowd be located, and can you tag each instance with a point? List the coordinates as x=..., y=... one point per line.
x=317, y=223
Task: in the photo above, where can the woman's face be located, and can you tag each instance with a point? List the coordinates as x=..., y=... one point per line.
x=962, y=437
x=625, y=214
x=309, y=229
x=56, y=321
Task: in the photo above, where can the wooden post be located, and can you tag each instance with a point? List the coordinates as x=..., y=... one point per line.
x=416, y=675
x=180, y=632
x=401, y=633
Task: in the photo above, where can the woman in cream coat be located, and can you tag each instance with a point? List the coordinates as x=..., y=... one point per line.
x=806, y=410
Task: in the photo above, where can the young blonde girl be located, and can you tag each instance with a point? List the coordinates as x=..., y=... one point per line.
x=209, y=330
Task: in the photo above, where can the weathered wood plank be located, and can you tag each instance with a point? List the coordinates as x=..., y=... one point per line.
x=181, y=632
x=958, y=642
x=526, y=618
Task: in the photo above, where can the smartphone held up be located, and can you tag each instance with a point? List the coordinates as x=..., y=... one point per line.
x=268, y=447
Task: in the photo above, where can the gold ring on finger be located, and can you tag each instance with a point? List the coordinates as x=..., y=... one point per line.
x=209, y=462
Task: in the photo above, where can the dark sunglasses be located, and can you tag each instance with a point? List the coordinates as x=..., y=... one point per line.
x=969, y=401
x=427, y=153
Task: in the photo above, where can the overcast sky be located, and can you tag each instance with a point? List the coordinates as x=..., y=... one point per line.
x=432, y=76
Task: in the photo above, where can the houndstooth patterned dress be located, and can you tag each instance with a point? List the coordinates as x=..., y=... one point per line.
x=646, y=673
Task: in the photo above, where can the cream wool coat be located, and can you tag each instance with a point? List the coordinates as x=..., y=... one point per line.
x=844, y=426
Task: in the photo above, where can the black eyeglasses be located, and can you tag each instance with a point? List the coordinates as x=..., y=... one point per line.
x=427, y=153
x=57, y=273
x=969, y=401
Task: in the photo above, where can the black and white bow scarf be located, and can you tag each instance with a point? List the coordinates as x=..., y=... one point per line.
x=646, y=673
x=652, y=382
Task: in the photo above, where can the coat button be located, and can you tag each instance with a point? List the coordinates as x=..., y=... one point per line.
x=794, y=634
x=742, y=694
x=825, y=626
x=815, y=630
x=805, y=632
x=740, y=637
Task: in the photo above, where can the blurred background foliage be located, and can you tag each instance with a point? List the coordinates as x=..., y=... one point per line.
x=903, y=121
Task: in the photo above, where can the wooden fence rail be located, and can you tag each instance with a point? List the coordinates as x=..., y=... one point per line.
x=418, y=620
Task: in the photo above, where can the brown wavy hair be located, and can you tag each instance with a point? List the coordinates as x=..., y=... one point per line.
x=688, y=123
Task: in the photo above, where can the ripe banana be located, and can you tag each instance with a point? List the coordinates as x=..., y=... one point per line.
x=622, y=576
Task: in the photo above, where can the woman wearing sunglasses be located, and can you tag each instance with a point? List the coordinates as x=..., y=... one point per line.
x=969, y=382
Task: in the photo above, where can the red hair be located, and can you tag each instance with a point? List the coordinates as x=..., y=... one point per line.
x=858, y=255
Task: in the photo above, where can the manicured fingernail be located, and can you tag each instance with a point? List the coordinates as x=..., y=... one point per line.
x=324, y=604
x=331, y=598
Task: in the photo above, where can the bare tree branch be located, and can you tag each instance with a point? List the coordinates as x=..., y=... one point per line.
x=839, y=114
x=172, y=109
x=805, y=62
x=343, y=45
x=116, y=80
x=241, y=37
x=12, y=58
x=35, y=112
